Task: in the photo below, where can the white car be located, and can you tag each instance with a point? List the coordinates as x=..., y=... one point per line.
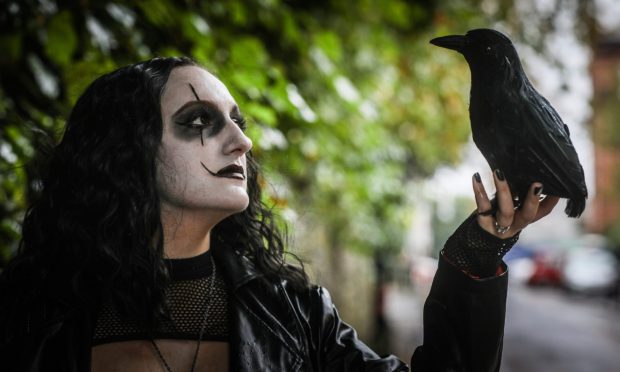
x=591, y=270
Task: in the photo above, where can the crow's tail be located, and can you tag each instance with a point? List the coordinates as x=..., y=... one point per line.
x=575, y=206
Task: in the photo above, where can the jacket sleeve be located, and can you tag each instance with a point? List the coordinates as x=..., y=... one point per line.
x=463, y=322
x=337, y=347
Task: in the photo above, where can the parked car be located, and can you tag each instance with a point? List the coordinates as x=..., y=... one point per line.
x=547, y=269
x=535, y=265
x=520, y=261
x=590, y=270
x=422, y=270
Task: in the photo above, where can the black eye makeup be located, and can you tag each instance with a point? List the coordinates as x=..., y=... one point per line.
x=238, y=118
x=200, y=117
x=203, y=117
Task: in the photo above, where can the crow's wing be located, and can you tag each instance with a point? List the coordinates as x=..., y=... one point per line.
x=548, y=150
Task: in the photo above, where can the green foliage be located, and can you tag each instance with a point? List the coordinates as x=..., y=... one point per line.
x=61, y=40
x=346, y=102
x=609, y=112
x=613, y=235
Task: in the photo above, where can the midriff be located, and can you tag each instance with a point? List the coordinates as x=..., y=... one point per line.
x=140, y=356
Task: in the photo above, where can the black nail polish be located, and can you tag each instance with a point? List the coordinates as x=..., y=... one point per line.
x=538, y=190
x=477, y=177
x=499, y=174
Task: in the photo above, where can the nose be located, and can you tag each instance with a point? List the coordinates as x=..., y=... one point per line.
x=238, y=141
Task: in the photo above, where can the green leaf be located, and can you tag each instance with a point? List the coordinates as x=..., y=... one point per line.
x=329, y=43
x=159, y=12
x=61, y=40
x=263, y=114
x=11, y=46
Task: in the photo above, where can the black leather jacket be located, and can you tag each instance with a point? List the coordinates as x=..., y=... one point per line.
x=275, y=328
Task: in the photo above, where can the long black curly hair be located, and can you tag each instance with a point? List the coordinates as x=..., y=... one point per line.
x=96, y=227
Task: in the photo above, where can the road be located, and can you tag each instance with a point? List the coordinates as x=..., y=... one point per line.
x=546, y=330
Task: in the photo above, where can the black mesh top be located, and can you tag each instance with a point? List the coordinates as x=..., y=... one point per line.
x=187, y=300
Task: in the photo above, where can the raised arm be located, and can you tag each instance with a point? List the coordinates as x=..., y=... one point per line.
x=465, y=310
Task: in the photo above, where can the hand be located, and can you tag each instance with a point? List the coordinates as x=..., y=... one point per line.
x=494, y=221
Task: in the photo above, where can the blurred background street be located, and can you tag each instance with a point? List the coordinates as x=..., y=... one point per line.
x=547, y=329
x=563, y=310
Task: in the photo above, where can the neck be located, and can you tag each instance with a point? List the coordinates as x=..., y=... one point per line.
x=187, y=233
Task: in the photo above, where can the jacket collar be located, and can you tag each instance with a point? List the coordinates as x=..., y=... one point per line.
x=236, y=268
x=266, y=329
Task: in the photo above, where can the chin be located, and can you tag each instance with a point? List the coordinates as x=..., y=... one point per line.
x=237, y=205
x=223, y=210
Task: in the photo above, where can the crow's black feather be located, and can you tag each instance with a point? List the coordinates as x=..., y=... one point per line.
x=515, y=127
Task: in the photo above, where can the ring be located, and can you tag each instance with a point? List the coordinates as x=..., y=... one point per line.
x=489, y=212
x=501, y=229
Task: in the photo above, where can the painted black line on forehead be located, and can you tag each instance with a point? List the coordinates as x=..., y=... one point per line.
x=202, y=142
x=194, y=91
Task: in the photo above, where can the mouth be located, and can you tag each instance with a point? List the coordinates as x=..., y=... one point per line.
x=230, y=171
x=454, y=42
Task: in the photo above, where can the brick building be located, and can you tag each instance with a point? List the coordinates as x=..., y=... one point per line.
x=605, y=125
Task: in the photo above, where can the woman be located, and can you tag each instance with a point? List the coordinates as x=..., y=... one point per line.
x=149, y=249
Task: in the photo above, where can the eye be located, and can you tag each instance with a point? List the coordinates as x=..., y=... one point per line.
x=240, y=121
x=198, y=120
x=197, y=126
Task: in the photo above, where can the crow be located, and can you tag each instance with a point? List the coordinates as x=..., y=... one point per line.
x=514, y=127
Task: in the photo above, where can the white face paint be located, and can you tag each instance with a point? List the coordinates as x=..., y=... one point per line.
x=202, y=156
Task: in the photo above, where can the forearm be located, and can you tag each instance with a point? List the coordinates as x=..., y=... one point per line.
x=464, y=312
x=463, y=322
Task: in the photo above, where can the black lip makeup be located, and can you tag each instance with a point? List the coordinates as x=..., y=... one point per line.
x=229, y=171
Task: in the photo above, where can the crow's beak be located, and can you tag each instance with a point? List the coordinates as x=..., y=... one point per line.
x=454, y=42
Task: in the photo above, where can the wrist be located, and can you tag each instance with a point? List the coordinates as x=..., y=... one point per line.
x=476, y=251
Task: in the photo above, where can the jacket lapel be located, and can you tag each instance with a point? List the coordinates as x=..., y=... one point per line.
x=265, y=334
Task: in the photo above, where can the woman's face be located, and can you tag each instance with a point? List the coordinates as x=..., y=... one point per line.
x=202, y=156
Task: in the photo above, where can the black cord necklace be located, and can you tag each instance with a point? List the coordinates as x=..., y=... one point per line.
x=202, y=327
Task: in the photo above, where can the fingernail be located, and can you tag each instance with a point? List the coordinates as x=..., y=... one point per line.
x=477, y=177
x=499, y=174
x=538, y=190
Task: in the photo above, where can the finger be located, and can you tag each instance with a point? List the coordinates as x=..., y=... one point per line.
x=482, y=199
x=505, y=207
x=546, y=206
x=529, y=209
x=484, y=206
